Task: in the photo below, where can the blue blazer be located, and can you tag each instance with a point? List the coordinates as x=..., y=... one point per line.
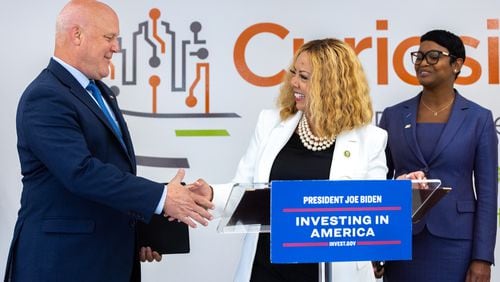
x=80, y=197
x=465, y=158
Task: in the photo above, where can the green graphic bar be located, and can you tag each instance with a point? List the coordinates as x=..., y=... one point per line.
x=201, y=132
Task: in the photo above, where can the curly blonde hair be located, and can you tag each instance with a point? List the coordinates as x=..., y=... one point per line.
x=338, y=97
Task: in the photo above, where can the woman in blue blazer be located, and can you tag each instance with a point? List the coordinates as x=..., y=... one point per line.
x=440, y=134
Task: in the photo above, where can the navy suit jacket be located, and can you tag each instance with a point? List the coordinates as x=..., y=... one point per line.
x=80, y=197
x=464, y=158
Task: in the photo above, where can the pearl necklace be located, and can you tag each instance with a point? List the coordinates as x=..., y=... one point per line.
x=310, y=141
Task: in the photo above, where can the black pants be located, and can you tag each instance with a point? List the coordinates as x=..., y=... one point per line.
x=264, y=271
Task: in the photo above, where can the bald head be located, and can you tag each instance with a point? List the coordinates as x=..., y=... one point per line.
x=86, y=36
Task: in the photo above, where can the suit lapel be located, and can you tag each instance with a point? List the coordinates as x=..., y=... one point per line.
x=77, y=90
x=457, y=117
x=81, y=94
x=113, y=104
x=409, y=125
x=276, y=140
x=346, y=145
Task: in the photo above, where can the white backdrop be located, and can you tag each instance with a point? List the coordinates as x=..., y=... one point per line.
x=27, y=32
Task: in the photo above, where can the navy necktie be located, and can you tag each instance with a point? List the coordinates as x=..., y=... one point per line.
x=96, y=93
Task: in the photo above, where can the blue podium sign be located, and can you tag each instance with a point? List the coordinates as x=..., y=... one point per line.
x=328, y=220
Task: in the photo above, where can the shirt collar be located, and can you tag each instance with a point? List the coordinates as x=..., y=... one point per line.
x=78, y=75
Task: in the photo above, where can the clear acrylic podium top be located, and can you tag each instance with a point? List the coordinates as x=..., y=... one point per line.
x=248, y=206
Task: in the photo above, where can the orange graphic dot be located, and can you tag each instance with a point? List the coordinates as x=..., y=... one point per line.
x=492, y=23
x=154, y=80
x=154, y=14
x=191, y=101
x=382, y=24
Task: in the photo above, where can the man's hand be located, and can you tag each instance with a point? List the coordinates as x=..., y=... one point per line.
x=184, y=205
x=146, y=254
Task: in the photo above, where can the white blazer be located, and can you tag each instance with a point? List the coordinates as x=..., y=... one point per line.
x=358, y=154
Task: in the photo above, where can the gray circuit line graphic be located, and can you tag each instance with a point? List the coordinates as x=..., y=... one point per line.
x=174, y=115
x=178, y=55
x=162, y=162
x=154, y=61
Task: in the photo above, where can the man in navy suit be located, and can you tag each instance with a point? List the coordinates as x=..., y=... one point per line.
x=81, y=197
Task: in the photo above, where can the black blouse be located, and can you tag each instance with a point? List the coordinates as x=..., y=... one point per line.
x=294, y=162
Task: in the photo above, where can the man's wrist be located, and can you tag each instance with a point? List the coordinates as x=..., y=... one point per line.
x=161, y=204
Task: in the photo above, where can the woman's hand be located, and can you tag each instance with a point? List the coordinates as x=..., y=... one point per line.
x=415, y=175
x=201, y=188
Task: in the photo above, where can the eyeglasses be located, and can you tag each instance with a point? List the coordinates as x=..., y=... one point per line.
x=432, y=56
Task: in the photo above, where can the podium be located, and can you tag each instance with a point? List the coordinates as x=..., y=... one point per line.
x=248, y=209
x=425, y=195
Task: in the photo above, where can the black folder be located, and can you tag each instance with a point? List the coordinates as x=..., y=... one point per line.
x=163, y=236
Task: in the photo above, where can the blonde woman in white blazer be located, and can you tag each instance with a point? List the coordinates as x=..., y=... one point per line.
x=325, y=86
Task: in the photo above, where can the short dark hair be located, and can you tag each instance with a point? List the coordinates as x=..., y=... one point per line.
x=450, y=41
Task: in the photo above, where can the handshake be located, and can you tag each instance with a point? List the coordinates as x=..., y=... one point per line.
x=186, y=203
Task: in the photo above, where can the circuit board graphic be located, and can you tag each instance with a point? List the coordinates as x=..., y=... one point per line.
x=174, y=77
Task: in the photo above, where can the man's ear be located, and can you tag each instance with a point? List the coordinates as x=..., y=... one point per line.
x=76, y=35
